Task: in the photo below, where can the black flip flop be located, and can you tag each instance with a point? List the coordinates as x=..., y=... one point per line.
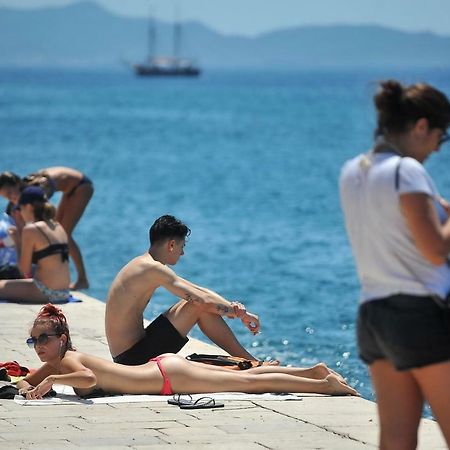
x=202, y=403
x=178, y=400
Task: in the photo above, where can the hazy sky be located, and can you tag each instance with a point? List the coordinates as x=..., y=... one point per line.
x=250, y=17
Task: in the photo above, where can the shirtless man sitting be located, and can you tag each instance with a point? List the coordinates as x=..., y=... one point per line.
x=133, y=288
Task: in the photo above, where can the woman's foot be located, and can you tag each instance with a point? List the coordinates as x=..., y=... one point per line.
x=337, y=387
x=271, y=362
x=81, y=283
x=321, y=371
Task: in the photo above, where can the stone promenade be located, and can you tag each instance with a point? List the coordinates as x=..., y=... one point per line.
x=314, y=422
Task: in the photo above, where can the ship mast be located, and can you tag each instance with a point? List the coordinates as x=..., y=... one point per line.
x=177, y=37
x=151, y=37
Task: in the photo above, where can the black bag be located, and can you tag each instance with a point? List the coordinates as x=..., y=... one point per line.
x=8, y=391
x=10, y=272
x=231, y=362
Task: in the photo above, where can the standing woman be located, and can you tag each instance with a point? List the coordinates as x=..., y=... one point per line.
x=77, y=191
x=43, y=242
x=399, y=230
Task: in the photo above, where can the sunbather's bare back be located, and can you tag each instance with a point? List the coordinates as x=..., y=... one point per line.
x=130, y=293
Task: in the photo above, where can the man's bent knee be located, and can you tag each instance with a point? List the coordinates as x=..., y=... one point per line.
x=184, y=315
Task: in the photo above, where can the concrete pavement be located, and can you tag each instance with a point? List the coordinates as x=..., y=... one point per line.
x=315, y=422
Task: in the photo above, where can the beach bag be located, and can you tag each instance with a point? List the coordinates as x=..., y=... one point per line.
x=229, y=362
x=8, y=391
x=10, y=272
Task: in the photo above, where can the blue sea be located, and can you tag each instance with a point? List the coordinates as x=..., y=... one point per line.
x=249, y=160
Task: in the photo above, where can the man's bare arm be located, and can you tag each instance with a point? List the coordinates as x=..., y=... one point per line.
x=207, y=299
x=210, y=301
x=222, y=304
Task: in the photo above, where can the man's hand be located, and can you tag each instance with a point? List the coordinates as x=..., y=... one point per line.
x=238, y=309
x=251, y=321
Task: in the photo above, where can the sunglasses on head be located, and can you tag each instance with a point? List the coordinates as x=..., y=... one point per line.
x=42, y=339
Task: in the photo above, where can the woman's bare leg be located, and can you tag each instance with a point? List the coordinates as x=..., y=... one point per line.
x=69, y=212
x=75, y=253
x=24, y=290
x=187, y=377
x=434, y=381
x=317, y=372
x=399, y=403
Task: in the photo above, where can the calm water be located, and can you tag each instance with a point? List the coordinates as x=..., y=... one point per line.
x=249, y=161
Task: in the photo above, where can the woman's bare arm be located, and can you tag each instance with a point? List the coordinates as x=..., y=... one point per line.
x=75, y=375
x=33, y=379
x=26, y=251
x=430, y=236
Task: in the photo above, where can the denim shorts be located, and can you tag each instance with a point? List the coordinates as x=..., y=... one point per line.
x=409, y=331
x=52, y=295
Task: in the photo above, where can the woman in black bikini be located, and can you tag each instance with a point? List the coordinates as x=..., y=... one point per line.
x=43, y=242
x=165, y=375
x=77, y=191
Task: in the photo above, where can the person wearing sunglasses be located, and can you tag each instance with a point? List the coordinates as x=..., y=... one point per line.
x=77, y=190
x=43, y=242
x=399, y=231
x=166, y=375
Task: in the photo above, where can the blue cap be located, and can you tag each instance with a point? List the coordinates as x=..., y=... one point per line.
x=32, y=194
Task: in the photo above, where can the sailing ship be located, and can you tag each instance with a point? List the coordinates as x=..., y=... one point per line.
x=166, y=65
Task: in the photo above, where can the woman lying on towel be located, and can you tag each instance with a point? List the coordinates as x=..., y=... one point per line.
x=43, y=242
x=165, y=375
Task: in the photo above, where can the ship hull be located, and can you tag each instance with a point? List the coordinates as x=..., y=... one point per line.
x=155, y=71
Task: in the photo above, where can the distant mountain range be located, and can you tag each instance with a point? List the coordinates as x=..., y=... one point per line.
x=85, y=35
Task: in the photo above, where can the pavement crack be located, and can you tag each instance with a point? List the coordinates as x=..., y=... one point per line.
x=322, y=427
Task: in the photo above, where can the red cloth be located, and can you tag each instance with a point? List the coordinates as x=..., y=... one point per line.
x=15, y=369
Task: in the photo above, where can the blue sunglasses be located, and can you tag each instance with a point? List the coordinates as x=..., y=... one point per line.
x=42, y=339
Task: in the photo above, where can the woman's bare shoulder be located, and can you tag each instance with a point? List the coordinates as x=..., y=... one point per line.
x=36, y=228
x=30, y=229
x=75, y=360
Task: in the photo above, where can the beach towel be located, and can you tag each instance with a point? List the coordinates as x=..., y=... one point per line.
x=71, y=299
x=67, y=396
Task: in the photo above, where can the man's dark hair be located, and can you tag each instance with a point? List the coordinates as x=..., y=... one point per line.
x=168, y=227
